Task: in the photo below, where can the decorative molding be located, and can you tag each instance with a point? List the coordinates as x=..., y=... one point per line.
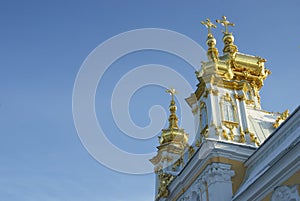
x=198, y=142
x=230, y=125
x=249, y=102
x=191, y=152
x=164, y=181
x=286, y=193
x=210, y=151
x=242, y=138
x=191, y=100
x=177, y=164
x=254, y=139
x=213, y=173
x=195, y=110
x=204, y=132
x=157, y=168
x=227, y=97
x=215, y=92
x=240, y=97
x=218, y=172
x=167, y=158
x=283, y=116
x=225, y=135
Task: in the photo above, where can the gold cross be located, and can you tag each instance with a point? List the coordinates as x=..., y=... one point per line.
x=172, y=91
x=208, y=25
x=225, y=23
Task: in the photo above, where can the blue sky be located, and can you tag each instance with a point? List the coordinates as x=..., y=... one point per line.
x=44, y=43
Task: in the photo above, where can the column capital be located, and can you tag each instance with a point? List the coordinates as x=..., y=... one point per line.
x=218, y=172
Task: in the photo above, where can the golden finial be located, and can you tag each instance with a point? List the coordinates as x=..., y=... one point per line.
x=212, y=52
x=172, y=91
x=208, y=24
x=228, y=38
x=225, y=23
x=173, y=119
x=173, y=134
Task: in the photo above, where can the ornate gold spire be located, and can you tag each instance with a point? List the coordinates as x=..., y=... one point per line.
x=173, y=142
x=173, y=134
x=172, y=139
x=212, y=52
x=173, y=119
x=228, y=38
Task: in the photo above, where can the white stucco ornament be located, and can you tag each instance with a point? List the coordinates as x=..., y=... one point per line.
x=286, y=193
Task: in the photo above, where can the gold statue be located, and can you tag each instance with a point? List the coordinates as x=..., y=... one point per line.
x=225, y=23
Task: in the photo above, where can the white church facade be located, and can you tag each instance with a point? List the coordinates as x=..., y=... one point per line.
x=241, y=152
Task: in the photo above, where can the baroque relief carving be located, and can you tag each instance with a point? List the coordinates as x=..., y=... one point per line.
x=164, y=181
x=218, y=172
x=286, y=193
x=214, y=173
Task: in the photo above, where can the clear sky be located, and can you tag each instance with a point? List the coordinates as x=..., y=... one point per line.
x=42, y=47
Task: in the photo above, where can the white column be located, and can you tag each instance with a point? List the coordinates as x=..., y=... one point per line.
x=219, y=184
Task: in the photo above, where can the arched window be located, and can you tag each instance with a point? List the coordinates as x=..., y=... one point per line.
x=248, y=95
x=228, y=109
x=203, y=116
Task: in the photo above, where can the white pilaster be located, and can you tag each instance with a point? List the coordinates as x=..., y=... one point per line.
x=219, y=184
